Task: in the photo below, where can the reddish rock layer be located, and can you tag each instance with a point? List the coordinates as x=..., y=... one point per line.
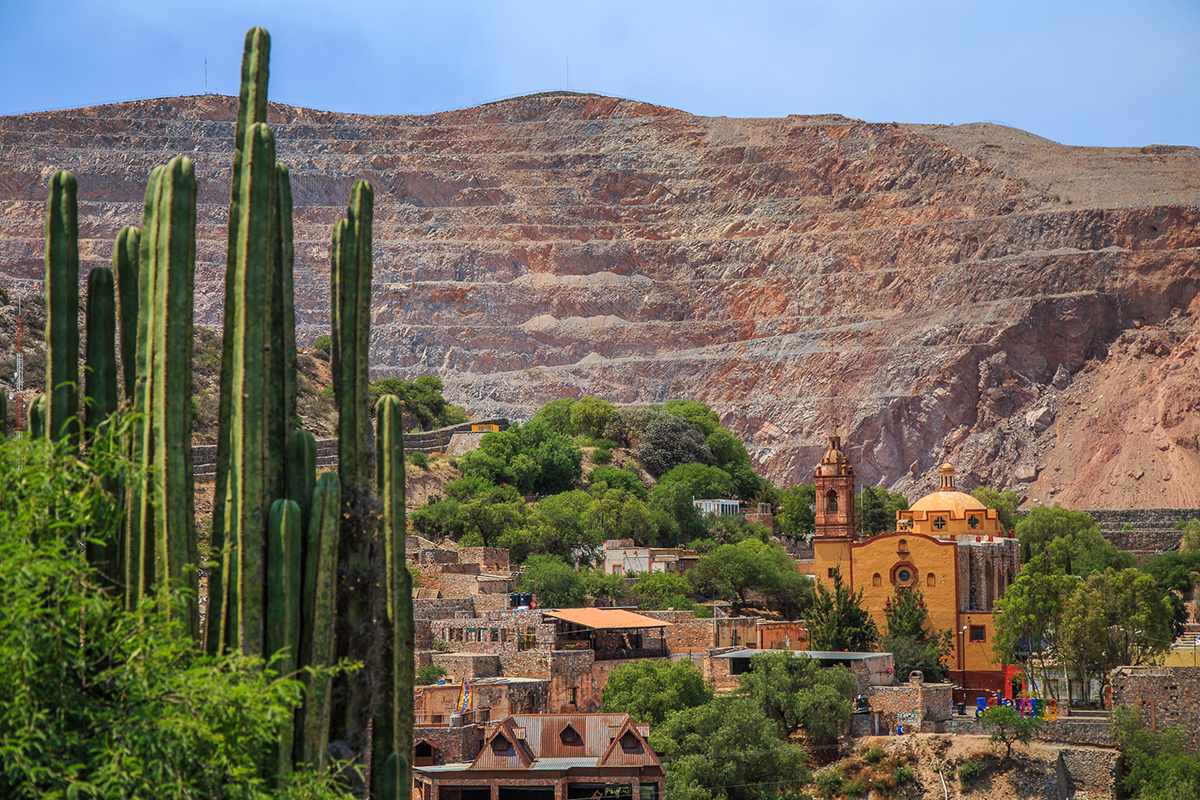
x=929, y=293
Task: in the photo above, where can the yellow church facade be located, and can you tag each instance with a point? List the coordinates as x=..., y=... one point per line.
x=947, y=544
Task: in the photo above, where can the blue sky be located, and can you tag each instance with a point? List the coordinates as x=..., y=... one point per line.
x=1088, y=73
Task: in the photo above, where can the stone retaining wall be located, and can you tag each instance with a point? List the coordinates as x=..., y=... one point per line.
x=1153, y=528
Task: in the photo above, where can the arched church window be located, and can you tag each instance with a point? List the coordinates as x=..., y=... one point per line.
x=876, y=580
x=831, y=502
x=931, y=580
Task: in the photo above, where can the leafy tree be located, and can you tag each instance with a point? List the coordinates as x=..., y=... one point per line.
x=431, y=673
x=1028, y=619
x=1189, y=541
x=727, y=750
x=732, y=571
x=703, y=418
x=796, y=514
x=556, y=583
x=701, y=480
x=1005, y=502
x=735, y=529
x=669, y=441
x=650, y=691
x=618, y=514
x=838, y=620
x=729, y=453
x=619, y=479
x=559, y=526
x=628, y=424
x=421, y=398
x=556, y=415
x=910, y=640
x=1008, y=727
x=877, y=510
x=1112, y=619
x=604, y=589
x=798, y=694
x=101, y=702
x=530, y=457
x=591, y=415
x=1070, y=541
x=1158, y=766
x=662, y=590
x=439, y=518
x=675, y=499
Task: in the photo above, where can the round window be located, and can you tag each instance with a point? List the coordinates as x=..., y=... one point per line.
x=904, y=575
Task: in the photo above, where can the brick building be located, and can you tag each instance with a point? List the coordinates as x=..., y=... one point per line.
x=548, y=757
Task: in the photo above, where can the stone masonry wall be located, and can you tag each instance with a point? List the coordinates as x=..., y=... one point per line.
x=921, y=707
x=442, y=608
x=469, y=666
x=451, y=745
x=1166, y=697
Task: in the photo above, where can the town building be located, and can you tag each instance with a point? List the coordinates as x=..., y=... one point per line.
x=545, y=757
x=623, y=557
x=947, y=544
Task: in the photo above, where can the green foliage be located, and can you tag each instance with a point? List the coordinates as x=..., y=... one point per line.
x=604, y=589
x=703, y=418
x=1067, y=541
x=735, y=529
x=602, y=455
x=556, y=583
x=1190, y=540
x=734, y=570
x=619, y=479
x=628, y=424
x=1027, y=619
x=877, y=510
x=590, y=416
x=1008, y=726
x=874, y=754
x=838, y=620
x=430, y=674
x=675, y=500
x=727, y=750
x=797, y=694
x=101, y=702
x=419, y=459
x=830, y=781
x=650, y=691
x=970, y=771
x=531, y=457
x=556, y=416
x=422, y=399
x=662, y=590
x=796, y=513
x=1005, y=502
x=669, y=441
x=323, y=342
x=912, y=644
x=1158, y=766
x=700, y=480
x=441, y=645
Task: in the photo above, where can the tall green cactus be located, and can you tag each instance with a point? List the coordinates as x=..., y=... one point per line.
x=393, y=739
x=161, y=517
x=101, y=359
x=283, y=606
x=37, y=417
x=125, y=269
x=318, y=617
x=3, y=413
x=62, y=308
x=252, y=109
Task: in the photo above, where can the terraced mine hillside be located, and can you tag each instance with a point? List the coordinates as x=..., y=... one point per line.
x=971, y=294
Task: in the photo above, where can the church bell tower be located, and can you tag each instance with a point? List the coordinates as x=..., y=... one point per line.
x=834, y=482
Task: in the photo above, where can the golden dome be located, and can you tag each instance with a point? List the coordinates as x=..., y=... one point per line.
x=948, y=501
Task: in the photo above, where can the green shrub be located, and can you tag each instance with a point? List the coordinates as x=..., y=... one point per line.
x=419, y=459
x=855, y=788
x=602, y=455
x=326, y=391
x=874, y=754
x=441, y=645
x=703, y=612
x=903, y=774
x=322, y=343
x=830, y=781
x=969, y=771
x=607, y=444
x=430, y=674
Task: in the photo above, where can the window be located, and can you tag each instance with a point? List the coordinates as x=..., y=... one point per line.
x=831, y=502
x=876, y=580
x=939, y=523
x=832, y=571
x=569, y=735
x=904, y=575
x=973, y=521
x=502, y=746
x=931, y=580
x=978, y=633
x=574, y=694
x=630, y=743
x=437, y=719
x=616, y=569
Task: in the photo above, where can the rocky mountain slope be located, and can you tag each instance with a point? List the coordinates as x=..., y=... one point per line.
x=975, y=294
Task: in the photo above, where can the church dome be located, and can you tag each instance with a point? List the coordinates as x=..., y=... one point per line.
x=948, y=501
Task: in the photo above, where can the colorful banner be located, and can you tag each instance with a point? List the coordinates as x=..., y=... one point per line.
x=464, y=698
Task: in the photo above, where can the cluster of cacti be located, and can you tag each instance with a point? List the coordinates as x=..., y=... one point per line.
x=280, y=536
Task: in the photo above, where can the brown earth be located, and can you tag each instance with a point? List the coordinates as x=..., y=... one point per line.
x=973, y=294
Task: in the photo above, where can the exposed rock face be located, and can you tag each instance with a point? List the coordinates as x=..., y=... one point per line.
x=922, y=291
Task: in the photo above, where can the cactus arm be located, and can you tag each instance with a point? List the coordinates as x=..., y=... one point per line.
x=125, y=270
x=173, y=262
x=62, y=308
x=101, y=356
x=37, y=417
x=320, y=616
x=286, y=256
x=283, y=607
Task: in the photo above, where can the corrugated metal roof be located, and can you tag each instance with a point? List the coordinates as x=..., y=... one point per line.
x=606, y=618
x=563, y=763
